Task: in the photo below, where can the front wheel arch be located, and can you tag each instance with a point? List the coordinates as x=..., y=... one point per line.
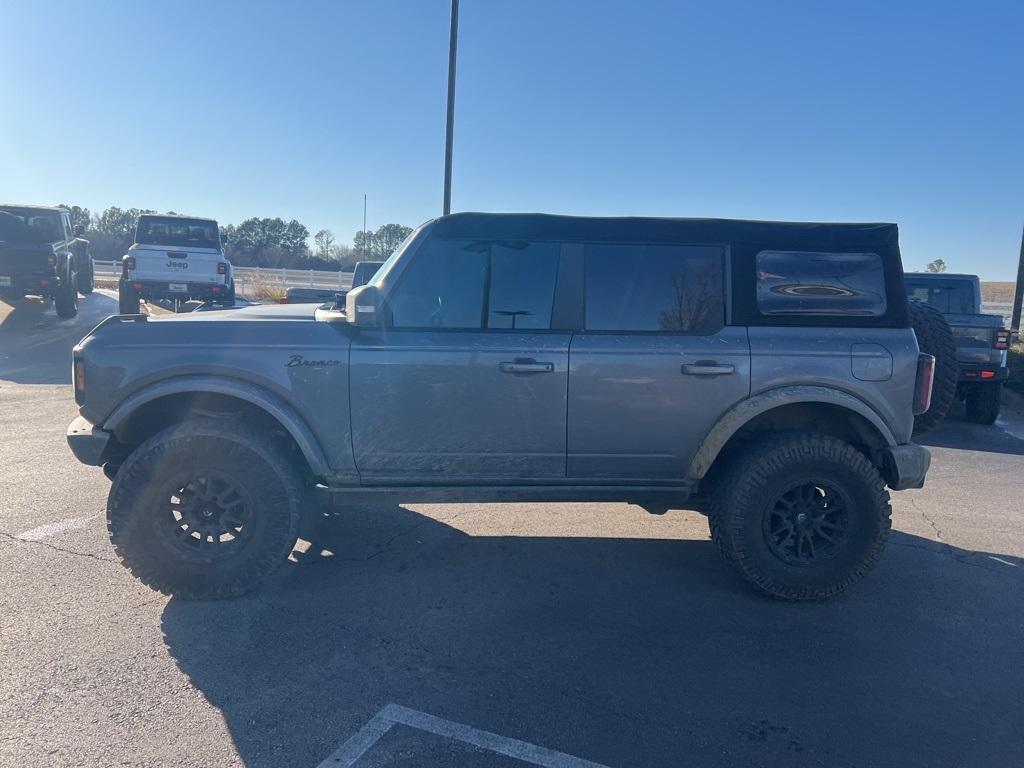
x=154, y=408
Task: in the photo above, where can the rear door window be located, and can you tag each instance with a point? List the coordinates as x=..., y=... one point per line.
x=654, y=288
x=816, y=283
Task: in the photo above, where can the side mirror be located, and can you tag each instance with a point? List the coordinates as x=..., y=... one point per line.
x=363, y=306
x=79, y=230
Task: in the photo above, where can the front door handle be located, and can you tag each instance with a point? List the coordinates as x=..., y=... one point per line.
x=526, y=366
x=707, y=368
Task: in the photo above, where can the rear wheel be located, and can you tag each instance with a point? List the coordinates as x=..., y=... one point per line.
x=205, y=510
x=229, y=296
x=65, y=300
x=934, y=337
x=800, y=517
x=983, y=402
x=127, y=300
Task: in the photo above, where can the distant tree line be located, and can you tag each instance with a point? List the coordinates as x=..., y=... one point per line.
x=256, y=242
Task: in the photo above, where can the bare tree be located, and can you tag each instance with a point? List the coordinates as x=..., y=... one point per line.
x=324, y=239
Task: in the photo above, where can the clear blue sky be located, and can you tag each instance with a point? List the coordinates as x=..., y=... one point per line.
x=896, y=111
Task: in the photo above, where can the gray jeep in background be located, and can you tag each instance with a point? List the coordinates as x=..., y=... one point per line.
x=981, y=341
x=766, y=374
x=43, y=255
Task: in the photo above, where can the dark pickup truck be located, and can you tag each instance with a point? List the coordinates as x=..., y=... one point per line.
x=981, y=340
x=40, y=254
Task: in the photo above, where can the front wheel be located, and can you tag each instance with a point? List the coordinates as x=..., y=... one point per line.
x=801, y=516
x=983, y=402
x=205, y=509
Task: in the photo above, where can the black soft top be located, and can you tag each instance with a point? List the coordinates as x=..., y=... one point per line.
x=744, y=239
x=639, y=229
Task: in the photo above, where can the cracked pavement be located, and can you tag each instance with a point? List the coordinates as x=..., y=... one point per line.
x=592, y=629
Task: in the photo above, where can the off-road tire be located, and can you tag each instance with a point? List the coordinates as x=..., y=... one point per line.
x=86, y=280
x=65, y=299
x=983, y=402
x=149, y=540
x=229, y=296
x=127, y=300
x=746, y=493
x=934, y=337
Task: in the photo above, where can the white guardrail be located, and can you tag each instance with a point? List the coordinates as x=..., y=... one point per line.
x=245, y=277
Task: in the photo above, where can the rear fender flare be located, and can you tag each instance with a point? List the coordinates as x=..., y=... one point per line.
x=276, y=407
x=739, y=415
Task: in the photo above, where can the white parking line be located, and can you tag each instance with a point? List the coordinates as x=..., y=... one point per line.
x=393, y=714
x=43, y=531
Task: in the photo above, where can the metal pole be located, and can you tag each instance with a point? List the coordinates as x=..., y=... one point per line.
x=453, y=42
x=364, y=227
x=1018, y=295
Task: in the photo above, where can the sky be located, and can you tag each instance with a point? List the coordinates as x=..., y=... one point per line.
x=824, y=111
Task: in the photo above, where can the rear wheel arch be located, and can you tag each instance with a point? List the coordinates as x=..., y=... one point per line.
x=159, y=406
x=821, y=410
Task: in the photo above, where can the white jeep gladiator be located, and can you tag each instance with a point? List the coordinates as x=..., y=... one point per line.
x=175, y=259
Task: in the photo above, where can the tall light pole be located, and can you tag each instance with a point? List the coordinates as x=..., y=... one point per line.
x=453, y=41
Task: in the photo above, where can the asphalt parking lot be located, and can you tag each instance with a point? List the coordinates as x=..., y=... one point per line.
x=499, y=635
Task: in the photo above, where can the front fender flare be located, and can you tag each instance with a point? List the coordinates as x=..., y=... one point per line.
x=284, y=413
x=734, y=419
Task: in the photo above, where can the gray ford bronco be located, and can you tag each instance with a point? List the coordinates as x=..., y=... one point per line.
x=766, y=374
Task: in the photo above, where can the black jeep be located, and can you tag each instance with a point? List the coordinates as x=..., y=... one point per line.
x=41, y=254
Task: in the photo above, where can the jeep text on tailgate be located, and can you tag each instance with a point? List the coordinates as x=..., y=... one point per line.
x=765, y=371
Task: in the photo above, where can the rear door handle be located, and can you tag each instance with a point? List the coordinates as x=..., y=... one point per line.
x=707, y=368
x=526, y=366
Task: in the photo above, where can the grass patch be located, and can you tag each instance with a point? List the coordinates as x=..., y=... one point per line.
x=259, y=288
x=997, y=291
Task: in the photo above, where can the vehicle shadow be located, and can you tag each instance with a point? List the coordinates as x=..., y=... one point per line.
x=957, y=432
x=35, y=345
x=621, y=651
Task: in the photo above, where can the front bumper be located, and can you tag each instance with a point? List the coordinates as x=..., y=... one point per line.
x=88, y=442
x=905, y=466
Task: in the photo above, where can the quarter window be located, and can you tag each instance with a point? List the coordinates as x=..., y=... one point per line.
x=661, y=288
x=814, y=283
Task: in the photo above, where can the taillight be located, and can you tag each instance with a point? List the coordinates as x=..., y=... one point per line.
x=129, y=263
x=216, y=289
x=283, y=300
x=923, y=386
x=222, y=268
x=1001, y=339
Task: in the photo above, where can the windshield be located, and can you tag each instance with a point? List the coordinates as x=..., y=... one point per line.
x=27, y=225
x=947, y=296
x=184, y=233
